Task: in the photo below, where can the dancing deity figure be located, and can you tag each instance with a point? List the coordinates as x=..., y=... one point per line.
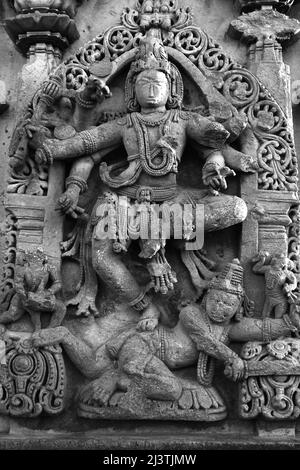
x=154, y=133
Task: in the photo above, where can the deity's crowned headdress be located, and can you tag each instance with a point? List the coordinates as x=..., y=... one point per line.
x=230, y=279
x=151, y=55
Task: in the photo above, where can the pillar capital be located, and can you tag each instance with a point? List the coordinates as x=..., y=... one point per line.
x=66, y=6
x=282, y=6
x=43, y=21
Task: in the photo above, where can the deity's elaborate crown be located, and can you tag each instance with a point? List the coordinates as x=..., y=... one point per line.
x=151, y=55
x=230, y=279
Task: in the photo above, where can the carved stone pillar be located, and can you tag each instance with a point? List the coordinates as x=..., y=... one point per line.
x=41, y=30
x=43, y=21
x=264, y=27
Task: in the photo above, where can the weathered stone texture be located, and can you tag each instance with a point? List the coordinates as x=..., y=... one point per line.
x=161, y=107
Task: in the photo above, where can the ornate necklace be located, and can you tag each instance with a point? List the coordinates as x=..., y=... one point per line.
x=164, y=152
x=153, y=123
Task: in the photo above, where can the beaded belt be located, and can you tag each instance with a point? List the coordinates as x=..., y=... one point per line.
x=148, y=193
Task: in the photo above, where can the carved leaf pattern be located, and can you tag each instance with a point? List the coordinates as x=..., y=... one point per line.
x=8, y=265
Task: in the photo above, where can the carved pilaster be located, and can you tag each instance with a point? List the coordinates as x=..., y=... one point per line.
x=43, y=21
x=265, y=28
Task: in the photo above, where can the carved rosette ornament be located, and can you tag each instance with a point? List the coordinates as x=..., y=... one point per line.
x=32, y=381
x=271, y=387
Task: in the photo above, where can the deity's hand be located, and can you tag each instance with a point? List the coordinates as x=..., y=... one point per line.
x=235, y=369
x=67, y=203
x=51, y=89
x=214, y=176
x=150, y=318
x=147, y=324
x=37, y=133
x=49, y=336
x=96, y=90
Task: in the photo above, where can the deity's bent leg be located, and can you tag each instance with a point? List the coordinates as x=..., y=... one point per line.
x=147, y=371
x=89, y=362
x=223, y=211
x=220, y=211
x=115, y=275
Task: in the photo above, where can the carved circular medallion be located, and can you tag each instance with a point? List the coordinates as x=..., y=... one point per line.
x=278, y=349
x=22, y=364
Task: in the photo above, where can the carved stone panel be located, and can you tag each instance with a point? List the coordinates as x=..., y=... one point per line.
x=151, y=232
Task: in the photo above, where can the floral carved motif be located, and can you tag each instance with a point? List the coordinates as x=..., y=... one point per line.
x=272, y=386
x=32, y=381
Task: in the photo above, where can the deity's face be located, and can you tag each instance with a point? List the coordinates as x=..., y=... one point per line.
x=221, y=306
x=152, y=89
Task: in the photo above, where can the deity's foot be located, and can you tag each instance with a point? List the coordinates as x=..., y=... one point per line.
x=49, y=336
x=98, y=392
x=198, y=397
x=116, y=398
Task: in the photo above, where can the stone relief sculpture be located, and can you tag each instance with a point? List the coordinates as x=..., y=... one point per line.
x=152, y=122
x=280, y=282
x=36, y=291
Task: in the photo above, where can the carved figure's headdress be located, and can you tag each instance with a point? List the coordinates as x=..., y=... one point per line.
x=230, y=279
x=152, y=55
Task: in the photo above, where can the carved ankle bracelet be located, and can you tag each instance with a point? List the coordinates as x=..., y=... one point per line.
x=141, y=302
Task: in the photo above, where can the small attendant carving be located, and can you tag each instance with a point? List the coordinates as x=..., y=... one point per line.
x=37, y=291
x=281, y=282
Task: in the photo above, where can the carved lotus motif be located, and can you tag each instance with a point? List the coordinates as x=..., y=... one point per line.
x=278, y=349
x=240, y=90
x=266, y=120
